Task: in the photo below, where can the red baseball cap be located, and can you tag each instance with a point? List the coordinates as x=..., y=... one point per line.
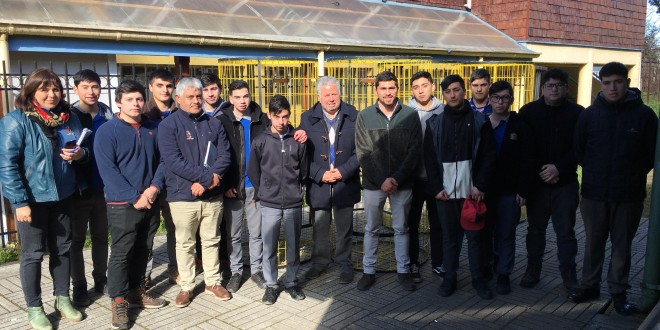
x=472, y=215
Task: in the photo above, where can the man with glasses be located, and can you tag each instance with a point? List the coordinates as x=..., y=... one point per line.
x=554, y=192
x=508, y=188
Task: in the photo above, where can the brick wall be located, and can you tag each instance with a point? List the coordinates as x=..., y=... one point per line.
x=611, y=23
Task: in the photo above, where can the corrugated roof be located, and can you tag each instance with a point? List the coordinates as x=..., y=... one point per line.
x=326, y=24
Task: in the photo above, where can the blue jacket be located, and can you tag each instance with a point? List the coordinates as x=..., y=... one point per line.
x=128, y=159
x=347, y=191
x=183, y=142
x=27, y=161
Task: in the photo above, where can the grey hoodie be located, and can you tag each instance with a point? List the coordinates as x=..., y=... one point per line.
x=436, y=108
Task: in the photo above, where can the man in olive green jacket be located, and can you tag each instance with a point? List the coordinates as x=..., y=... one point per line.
x=388, y=140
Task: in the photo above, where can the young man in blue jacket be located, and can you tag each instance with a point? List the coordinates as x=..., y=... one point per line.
x=334, y=185
x=129, y=163
x=277, y=168
x=195, y=150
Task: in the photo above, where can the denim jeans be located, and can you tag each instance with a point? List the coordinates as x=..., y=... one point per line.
x=89, y=211
x=374, y=202
x=132, y=234
x=291, y=220
x=50, y=230
x=235, y=210
x=499, y=235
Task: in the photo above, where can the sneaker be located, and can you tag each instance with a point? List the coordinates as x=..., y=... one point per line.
x=258, y=279
x=439, y=270
x=447, y=287
x=346, y=276
x=173, y=277
x=183, y=299
x=234, y=283
x=80, y=297
x=406, y=282
x=217, y=291
x=142, y=299
x=295, y=292
x=532, y=275
x=503, y=284
x=621, y=304
x=64, y=309
x=38, y=319
x=314, y=272
x=270, y=296
x=147, y=282
x=366, y=282
x=119, y=313
x=414, y=273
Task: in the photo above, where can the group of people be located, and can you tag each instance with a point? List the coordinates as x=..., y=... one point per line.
x=210, y=165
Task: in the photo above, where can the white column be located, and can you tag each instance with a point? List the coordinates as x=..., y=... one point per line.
x=4, y=57
x=585, y=80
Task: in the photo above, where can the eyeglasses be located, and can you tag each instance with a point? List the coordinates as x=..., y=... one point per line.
x=557, y=85
x=497, y=98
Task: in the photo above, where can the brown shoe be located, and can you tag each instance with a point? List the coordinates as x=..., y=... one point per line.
x=119, y=313
x=174, y=277
x=183, y=299
x=218, y=291
x=141, y=298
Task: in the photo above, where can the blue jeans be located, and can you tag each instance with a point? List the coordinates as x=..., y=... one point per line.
x=502, y=218
x=291, y=219
x=374, y=202
x=50, y=230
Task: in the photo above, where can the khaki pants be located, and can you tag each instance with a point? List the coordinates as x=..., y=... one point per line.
x=187, y=218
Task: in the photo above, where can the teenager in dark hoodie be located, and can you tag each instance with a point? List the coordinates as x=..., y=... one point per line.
x=277, y=169
x=459, y=153
x=615, y=144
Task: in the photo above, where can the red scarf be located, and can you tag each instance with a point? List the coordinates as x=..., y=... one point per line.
x=49, y=118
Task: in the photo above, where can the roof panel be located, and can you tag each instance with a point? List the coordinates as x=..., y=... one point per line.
x=364, y=23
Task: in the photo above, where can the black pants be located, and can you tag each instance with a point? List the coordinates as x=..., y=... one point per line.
x=50, y=230
x=619, y=221
x=560, y=204
x=89, y=210
x=132, y=234
x=419, y=197
x=449, y=213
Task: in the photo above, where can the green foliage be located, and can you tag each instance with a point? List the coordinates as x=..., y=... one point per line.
x=9, y=254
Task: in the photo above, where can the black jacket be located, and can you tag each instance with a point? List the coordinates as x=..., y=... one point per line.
x=514, y=166
x=235, y=177
x=615, y=145
x=454, y=139
x=277, y=169
x=553, y=129
x=347, y=191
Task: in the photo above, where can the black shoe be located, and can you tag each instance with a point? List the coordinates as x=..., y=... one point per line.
x=487, y=273
x=439, y=270
x=366, y=282
x=569, y=277
x=234, y=283
x=295, y=292
x=270, y=296
x=532, y=275
x=622, y=306
x=503, y=284
x=447, y=287
x=580, y=295
x=80, y=297
x=314, y=272
x=346, y=276
x=100, y=286
x=414, y=273
x=259, y=280
x=407, y=282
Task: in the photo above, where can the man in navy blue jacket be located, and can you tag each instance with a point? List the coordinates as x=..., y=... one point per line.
x=129, y=163
x=196, y=152
x=334, y=185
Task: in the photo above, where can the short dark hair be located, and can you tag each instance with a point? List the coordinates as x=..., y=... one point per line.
x=277, y=104
x=210, y=79
x=421, y=74
x=450, y=79
x=162, y=74
x=386, y=76
x=555, y=73
x=129, y=86
x=499, y=86
x=238, y=84
x=480, y=74
x=86, y=75
x=613, y=68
